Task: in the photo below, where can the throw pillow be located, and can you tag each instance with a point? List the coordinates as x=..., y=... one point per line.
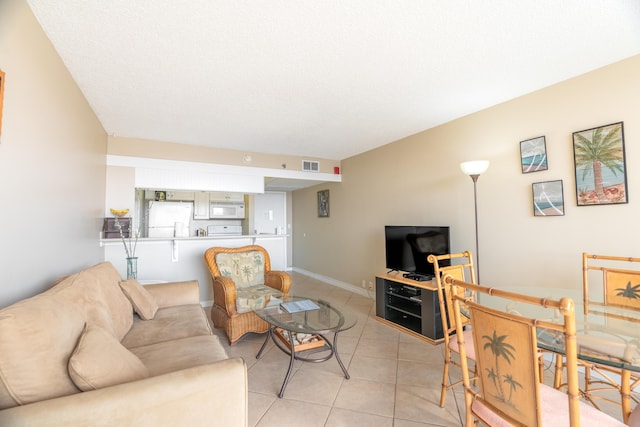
x=143, y=302
x=99, y=360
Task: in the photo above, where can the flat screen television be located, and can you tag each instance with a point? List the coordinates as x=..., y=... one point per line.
x=407, y=249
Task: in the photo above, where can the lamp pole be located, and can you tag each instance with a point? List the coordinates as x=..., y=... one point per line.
x=474, y=178
x=474, y=169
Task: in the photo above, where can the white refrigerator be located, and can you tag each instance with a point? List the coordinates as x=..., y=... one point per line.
x=169, y=219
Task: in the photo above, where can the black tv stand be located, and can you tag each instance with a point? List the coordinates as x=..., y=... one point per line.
x=417, y=277
x=410, y=306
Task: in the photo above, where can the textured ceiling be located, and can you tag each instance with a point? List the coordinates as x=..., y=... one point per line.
x=326, y=79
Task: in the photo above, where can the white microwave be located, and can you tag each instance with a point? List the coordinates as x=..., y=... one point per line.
x=220, y=210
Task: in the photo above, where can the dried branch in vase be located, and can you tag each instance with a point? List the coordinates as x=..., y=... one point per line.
x=128, y=242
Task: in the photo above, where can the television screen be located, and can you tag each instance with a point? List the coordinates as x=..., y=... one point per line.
x=407, y=247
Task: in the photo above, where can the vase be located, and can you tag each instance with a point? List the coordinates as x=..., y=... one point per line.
x=132, y=267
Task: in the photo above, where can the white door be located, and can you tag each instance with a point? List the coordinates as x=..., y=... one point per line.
x=270, y=212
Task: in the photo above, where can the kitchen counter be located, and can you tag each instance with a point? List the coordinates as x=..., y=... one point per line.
x=104, y=242
x=182, y=258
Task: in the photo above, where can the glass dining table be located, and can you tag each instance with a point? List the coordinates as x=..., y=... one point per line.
x=606, y=335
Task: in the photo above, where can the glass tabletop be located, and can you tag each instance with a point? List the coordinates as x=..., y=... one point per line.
x=605, y=334
x=327, y=318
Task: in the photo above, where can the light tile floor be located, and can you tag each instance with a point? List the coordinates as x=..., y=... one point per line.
x=395, y=377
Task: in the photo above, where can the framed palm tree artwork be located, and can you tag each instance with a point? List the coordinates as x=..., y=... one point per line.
x=601, y=174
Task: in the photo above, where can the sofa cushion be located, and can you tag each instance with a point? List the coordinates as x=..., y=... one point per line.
x=143, y=302
x=86, y=296
x=170, y=356
x=244, y=268
x=99, y=360
x=38, y=336
x=119, y=306
x=106, y=278
x=168, y=324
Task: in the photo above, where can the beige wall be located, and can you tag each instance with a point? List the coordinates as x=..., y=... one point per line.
x=52, y=163
x=417, y=181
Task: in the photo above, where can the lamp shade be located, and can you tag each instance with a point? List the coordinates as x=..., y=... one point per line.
x=474, y=167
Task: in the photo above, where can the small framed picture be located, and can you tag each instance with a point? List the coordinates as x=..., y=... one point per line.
x=548, y=199
x=323, y=204
x=601, y=171
x=533, y=155
x=161, y=196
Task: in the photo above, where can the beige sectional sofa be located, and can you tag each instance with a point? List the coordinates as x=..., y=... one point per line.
x=77, y=354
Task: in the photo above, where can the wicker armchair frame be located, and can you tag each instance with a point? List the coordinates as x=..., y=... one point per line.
x=224, y=313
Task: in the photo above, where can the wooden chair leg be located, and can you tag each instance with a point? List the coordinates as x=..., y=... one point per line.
x=557, y=376
x=541, y=367
x=625, y=395
x=445, y=377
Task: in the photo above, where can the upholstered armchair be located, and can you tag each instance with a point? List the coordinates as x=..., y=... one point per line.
x=242, y=282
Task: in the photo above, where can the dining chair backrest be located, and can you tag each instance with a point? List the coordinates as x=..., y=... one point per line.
x=462, y=270
x=507, y=357
x=615, y=281
x=611, y=281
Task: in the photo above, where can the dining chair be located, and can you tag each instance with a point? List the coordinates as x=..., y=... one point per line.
x=509, y=390
x=463, y=271
x=611, y=281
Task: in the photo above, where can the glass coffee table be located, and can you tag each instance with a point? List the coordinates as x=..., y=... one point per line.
x=308, y=336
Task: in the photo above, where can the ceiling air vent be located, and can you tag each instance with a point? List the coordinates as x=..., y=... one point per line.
x=310, y=166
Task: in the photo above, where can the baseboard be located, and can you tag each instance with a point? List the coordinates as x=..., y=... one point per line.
x=331, y=281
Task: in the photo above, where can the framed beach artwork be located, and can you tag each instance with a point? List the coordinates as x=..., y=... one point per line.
x=548, y=199
x=601, y=173
x=533, y=155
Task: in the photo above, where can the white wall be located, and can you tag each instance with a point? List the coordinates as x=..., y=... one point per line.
x=417, y=181
x=52, y=163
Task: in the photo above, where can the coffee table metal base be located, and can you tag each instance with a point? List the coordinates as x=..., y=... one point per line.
x=330, y=347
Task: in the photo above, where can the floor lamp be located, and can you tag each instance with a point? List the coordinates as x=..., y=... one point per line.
x=474, y=169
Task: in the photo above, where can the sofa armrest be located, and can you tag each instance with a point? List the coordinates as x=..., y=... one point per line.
x=175, y=293
x=190, y=397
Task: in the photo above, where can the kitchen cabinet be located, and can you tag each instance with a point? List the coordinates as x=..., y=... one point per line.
x=187, y=196
x=220, y=196
x=201, y=205
x=164, y=195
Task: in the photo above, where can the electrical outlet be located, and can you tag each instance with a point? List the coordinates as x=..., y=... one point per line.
x=371, y=286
